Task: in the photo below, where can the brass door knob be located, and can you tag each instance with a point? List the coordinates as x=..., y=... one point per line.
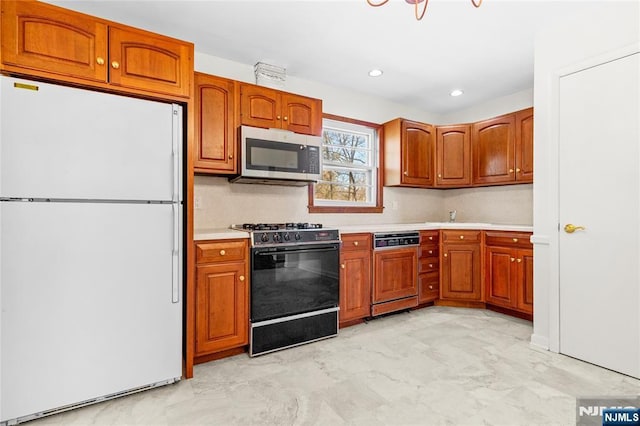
x=115, y=65
x=100, y=60
x=570, y=228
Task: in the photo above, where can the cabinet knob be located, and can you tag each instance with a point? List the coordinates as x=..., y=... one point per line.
x=406, y=173
x=519, y=260
x=430, y=287
x=278, y=117
x=222, y=252
x=462, y=237
x=430, y=238
x=517, y=170
x=241, y=278
x=513, y=259
x=439, y=175
x=431, y=265
x=286, y=118
x=445, y=255
x=115, y=65
x=100, y=60
x=510, y=170
x=430, y=251
x=515, y=240
x=342, y=265
x=355, y=243
x=230, y=156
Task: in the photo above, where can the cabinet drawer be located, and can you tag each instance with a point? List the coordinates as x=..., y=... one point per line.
x=461, y=236
x=221, y=251
x=352, y=242
x=428, y=264
x=429, y=237
x=428, y=287
x=428, y=251
x=508, y=239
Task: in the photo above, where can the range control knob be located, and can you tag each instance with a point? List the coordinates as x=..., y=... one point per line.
x=286, y=237
x=298, y=236
x=277, y=238
x=264, y=237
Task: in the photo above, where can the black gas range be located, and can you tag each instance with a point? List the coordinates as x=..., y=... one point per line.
x=277, y=234
x=295, y=281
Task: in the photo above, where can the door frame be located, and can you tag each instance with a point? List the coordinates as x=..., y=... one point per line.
x=546, y=235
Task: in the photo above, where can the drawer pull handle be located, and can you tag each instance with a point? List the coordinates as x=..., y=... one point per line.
x=462, y=237
x=355, y=243
x=515, y=240
x=222, y=252
x=241, y=278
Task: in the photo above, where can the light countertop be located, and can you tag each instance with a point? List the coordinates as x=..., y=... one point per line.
x=226, y=233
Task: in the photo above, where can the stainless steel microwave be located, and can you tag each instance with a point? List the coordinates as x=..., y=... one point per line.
x=276, y=156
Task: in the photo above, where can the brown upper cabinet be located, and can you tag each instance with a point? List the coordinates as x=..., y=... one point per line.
x=215, y=105
x=270, y=108
x=502, y=149
x=453, y=155
x=409, y=152
x=48, y=41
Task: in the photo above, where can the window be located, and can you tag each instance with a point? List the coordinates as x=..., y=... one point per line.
x=350, y=178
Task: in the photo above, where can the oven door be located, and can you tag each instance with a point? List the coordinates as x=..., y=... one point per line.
x=292, y=280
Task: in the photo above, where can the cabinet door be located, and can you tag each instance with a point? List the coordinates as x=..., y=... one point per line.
x=500, y=276
x=524, y=282
x=524, y=145
x=493, y=144
x=355, y=285
x=222, y=299
x=301, y=114
x=42, y=37
x=215, y=125
x=418, y=149
x=460, y=272
x=145, y=61
x=395, y=274
x=259, y=106
x=453, y=160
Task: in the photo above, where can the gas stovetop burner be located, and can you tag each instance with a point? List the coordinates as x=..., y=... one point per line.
x=278, y=226
x=271, y=234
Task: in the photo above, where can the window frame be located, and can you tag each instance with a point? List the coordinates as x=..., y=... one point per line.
x=378, y=207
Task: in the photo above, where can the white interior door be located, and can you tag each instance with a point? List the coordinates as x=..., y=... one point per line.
x=599, y=189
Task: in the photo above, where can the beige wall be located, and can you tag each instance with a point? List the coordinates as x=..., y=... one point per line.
x=222, y=204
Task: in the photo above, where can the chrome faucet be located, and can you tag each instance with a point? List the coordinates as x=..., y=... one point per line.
x=452, y=216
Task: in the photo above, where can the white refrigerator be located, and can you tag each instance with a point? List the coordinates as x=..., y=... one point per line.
x=91, y=246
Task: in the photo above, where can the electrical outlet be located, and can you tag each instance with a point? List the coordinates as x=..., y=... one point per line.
x=197, y=201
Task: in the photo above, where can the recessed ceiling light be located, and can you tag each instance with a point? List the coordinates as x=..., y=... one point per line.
x=456, y=92
x=375, y=73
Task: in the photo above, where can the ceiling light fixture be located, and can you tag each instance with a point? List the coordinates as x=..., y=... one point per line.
x=456, y=92
x=419, y=15
x=375, y=73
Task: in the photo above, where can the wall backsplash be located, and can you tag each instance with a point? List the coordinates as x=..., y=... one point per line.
x=223, y=204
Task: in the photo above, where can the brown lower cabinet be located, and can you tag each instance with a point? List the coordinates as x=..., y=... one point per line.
x=509, y=271
x=460, y=265
x=222, y=296
x=355, y=277
x=428, y=267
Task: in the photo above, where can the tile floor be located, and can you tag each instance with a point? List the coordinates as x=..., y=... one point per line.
x=434, y=366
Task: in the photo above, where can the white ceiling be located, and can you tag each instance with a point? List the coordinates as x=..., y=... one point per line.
x=487, y=52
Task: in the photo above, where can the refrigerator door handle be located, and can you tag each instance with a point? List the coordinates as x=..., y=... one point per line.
x=175, y=255
x=177, y=126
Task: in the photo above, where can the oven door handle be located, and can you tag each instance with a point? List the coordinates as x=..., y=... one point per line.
x=295, y=250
